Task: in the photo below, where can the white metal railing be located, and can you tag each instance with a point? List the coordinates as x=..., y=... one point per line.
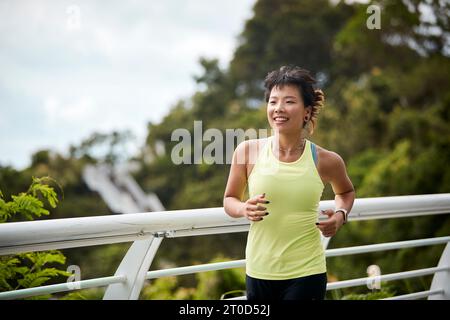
x=147, y=230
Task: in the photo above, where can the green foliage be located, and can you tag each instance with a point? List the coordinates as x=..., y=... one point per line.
x=213, y=284
x=286, y=32
x=209, y=285
x=85, y=294
x=87, y=258
x=395, y=166
x=374, y=295
x=28, y=203
x=166, y=289
x=27, y=270
x=110, y=148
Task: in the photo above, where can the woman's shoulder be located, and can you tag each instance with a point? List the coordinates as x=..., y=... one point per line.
x=249, y=149
x=252, y=143
x=328, y=159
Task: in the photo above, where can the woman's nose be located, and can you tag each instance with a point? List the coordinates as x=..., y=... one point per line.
x=278, y=107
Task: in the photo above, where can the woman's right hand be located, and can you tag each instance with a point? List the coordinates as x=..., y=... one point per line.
x=252, y=209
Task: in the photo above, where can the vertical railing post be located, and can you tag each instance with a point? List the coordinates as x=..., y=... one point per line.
x=441, y=279
x=325, y=241
x=134, y=266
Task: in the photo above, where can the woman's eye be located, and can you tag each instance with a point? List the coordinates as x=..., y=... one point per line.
x=290, y=101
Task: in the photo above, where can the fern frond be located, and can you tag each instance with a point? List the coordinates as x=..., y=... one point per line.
x=28, y=205
x=38, y=185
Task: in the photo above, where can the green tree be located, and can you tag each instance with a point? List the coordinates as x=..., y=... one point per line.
x=109, y=148
x=286, y=32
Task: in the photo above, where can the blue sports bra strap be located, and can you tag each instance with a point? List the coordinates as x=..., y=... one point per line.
x=314, y=152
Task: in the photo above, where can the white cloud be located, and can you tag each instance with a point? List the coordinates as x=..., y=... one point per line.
x=75, y=111
x=73, y=67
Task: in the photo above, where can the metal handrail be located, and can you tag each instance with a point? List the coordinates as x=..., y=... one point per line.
x=62, y=287
x=416, y=295
x=77, y=232
x=385, y=277
x=328, y=253
x=386, y=246
x=228, y=265
x=195, y=269
x=16, y=237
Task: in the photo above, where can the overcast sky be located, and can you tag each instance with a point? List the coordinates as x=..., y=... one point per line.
x=69, y=68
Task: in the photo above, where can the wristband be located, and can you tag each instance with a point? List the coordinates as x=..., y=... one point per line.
x=344, y=213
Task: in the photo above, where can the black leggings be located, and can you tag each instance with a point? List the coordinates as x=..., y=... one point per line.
x=311, y=287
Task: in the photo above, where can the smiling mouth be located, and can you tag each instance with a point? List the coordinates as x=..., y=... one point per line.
x=280, y=119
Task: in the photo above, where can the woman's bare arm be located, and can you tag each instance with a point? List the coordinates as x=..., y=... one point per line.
x=236, y=184
x=334, y=170
x=342, y=185
x=235, y=189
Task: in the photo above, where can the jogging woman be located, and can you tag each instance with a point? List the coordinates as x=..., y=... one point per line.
x=285, y=175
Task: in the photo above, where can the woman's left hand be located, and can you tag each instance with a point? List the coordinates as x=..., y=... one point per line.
x=330, y=226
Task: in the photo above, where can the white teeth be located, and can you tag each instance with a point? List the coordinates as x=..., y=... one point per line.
x=280, y=119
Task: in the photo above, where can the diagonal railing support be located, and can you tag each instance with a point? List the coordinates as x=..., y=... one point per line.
x=441, y=280
x=134, y=267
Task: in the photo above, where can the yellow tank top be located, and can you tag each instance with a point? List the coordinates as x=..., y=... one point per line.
x=287, y=243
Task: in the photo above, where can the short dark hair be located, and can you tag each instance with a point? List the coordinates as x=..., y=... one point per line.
x=291, y=75
x=303, y=80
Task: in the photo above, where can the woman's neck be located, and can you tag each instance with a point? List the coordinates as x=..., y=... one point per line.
x=289, y=143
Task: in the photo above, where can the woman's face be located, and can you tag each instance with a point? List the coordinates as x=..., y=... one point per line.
x=285, y=109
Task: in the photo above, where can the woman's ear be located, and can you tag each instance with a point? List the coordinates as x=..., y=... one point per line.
x=308, y=114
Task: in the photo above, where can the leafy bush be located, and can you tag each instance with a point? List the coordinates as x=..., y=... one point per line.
x=27, y=270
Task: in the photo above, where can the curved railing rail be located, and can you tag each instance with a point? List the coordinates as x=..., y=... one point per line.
x=147, y=230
